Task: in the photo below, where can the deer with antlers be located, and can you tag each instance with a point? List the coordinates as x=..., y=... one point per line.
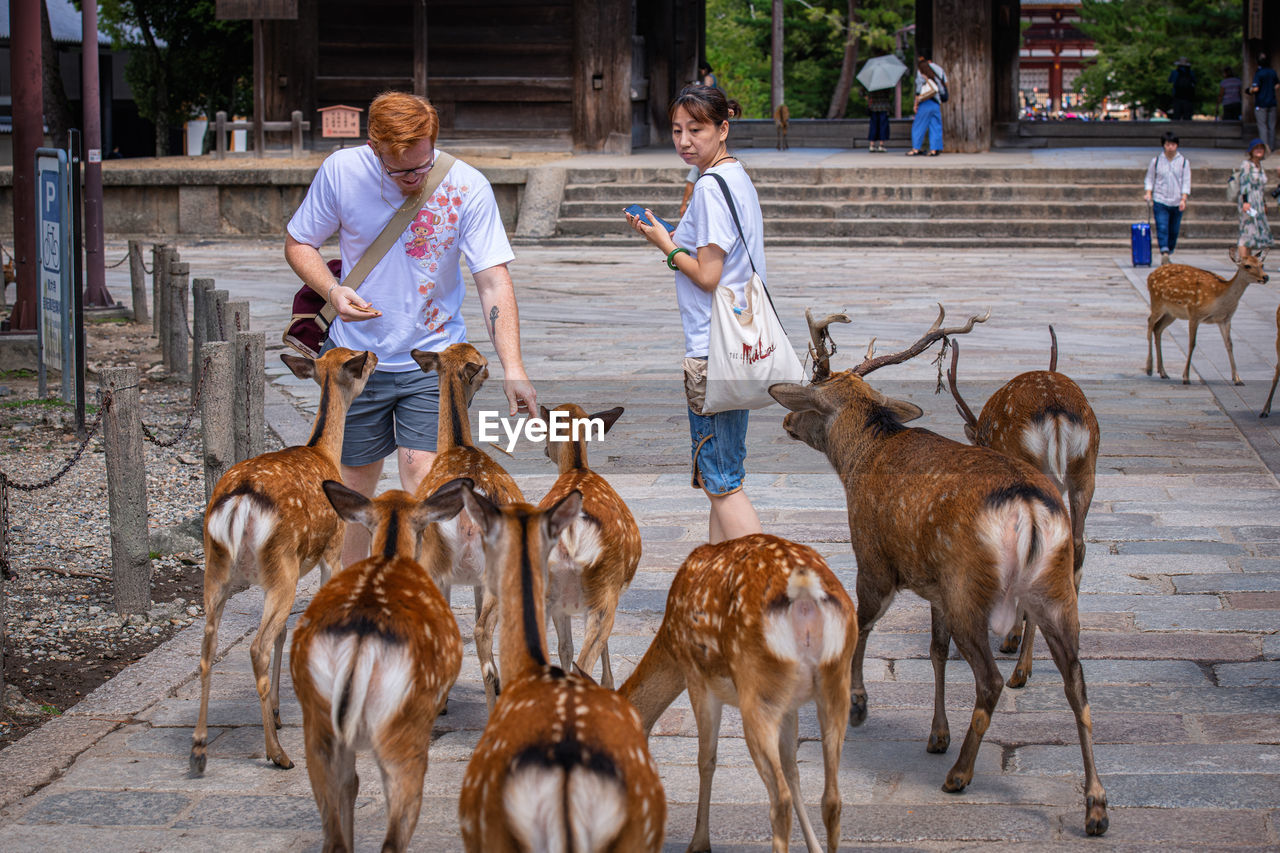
x=269, y=523
x=972, y=531
x=463, y=370
x=1266, y=408
x=1181, y=292
x=563, y=764
x=596, y=556
x=763, y=624
x=1043, y=418
x=373, y=659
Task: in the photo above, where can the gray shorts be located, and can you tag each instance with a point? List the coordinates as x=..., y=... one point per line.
x=394, y=410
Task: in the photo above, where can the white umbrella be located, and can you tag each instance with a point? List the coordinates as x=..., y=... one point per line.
x=881, y=72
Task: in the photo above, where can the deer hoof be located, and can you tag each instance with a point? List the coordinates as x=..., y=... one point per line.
x=938, y=742
x=282, y=761
x=858, y=711
x=196, y=763
x=956, y=782
x=1237, y=381
x=1186, y=381
x=1095, y=816
x=1009, y=644
x=1018, y=678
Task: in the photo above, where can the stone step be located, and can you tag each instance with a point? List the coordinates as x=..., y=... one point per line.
x=894, y=175
x=643, y=193
x=939, y=241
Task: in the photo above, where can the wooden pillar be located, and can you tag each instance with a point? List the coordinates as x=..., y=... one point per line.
x=963, y=49
x=1006, y=45
x=420, y=47
x=602, y=75
x=1055, y=85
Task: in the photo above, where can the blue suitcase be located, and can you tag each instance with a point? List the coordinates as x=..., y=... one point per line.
x=1140, y=244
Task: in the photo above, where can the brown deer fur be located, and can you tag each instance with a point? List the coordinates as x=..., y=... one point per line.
x=781, y=119
x=596, y=556
x=462, y=370
x=268, y=523
x=1198, y=296
x=373, y=659
x=1043, y=418
x=563, y=764
x=761, y=623
x=970, y=530
x=1275, y=377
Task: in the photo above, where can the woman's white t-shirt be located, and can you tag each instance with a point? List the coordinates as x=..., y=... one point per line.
x=708, y=222
x=418, y=285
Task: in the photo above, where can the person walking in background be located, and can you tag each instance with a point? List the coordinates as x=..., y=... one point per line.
x=706, y=77
x=1230, y=95
x=1183, y=81
x=1255, y=233
x=878, y=105
x=1168, y=183
x=928, y=108
x=1264, y=88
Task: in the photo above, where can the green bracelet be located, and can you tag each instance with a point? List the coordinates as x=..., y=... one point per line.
x=671, y=258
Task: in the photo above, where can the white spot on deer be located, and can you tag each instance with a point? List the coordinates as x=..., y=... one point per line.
x=238, y=521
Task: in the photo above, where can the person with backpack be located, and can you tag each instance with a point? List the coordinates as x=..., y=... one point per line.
x=1183, y=80
x=1251, y=178
x=1264, y=88
x=931, y=94
x=1167, y=185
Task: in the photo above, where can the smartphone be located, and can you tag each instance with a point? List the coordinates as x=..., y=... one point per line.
x=637, y=210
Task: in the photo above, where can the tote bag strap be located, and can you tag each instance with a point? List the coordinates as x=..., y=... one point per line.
x=733, y=211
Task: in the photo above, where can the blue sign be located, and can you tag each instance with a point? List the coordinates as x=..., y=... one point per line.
x=53, y=234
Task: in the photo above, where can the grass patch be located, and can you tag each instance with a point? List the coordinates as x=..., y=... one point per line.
x=47, y=402
x=18, y=373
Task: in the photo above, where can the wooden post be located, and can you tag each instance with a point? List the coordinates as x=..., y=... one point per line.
x=963, y=49
x=259, y=90
x=420, y=48
x=602, y=75
x=216, y=403
x=220, y=135
x=235, y=319
x=159, y=268
x=126, y=491
x=295, y=120
x=138, y=282
x=250, y=389
x=179, y=348
x=200, y=290
x=162, y=308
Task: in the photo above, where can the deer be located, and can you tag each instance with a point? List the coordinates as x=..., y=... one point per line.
x=1266, y=408
x=1183, y=292
x=782, y=118
x=269, y=523
x=763, y=624
x=462, y=371
x=974, y=532
x=563, y=764
x=595, y=558
x=373, y=658
x=1043, y=418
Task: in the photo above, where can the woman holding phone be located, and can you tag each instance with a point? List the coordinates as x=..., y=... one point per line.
x=705, y=252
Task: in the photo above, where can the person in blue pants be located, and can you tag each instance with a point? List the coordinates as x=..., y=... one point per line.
x=928, y=109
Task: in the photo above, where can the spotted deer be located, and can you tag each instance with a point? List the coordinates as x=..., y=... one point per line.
x=563, y=764
x=763, y=624
x=1044, y=419
x=594, y=560
x=1181, y=292
x=972, y=531
x=1266, y=408
x=462, y=371
x=269, y=523
x=781, y=119
x=373, y=659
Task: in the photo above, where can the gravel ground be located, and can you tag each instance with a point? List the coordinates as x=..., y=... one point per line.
x=64, y=637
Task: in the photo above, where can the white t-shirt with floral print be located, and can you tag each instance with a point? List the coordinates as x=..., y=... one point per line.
x=418, y=285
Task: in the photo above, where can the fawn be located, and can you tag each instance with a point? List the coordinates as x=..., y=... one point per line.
x=972, y=531
x=373, y=659
x=596, y=556
x=1266, y=408
x=563, y=764
x=1198, y=296
x=761, y=623
x=269, y=523
x=1042, y=418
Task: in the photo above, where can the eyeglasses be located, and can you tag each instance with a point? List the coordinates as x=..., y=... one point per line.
x=401, y=173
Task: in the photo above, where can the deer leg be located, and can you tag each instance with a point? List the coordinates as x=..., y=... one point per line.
x=1009, y=644
x=595, y=640
x=788, y=741
x=1151, y=326
x=277, y=655
x=564, y=637
x=486, y=621
x=1225, y=328
x=1080, y=497
x=402, y=786
x=1193, y=326
x=275, y=613
x=873, y=601
x=1021, y=672
x=1266, y=409
x=988, y=684
x=328, y=765
x=1063, y=638
x=762, y=727
x=832, y=701
x=1161, y=324
x=606, y=669
x=217, y=588
x=706, y=711
x=939, y=648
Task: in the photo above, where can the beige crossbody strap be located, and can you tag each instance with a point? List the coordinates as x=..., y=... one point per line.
x=400, y=221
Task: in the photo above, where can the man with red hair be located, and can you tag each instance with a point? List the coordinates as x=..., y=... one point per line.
x=412, y=298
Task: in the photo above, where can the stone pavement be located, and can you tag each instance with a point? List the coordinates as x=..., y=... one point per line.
x=1180, y=601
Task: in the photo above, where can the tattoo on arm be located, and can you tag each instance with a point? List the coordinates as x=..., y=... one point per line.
x=493, y=323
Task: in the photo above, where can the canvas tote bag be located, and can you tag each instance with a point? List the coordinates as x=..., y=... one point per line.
x=749, y=350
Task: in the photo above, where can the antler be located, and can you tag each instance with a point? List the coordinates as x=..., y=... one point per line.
x=961, y=406
x=1053, y=351
x=821, y=346
x=935, y=333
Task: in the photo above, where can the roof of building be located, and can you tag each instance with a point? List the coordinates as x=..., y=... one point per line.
x=64, y=23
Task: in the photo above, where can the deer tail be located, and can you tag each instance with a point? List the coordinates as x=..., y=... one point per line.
x=241, y=518
x=365, y=680
x=1023, y=529
x=564, y=803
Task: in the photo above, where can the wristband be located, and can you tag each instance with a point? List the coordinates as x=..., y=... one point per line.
x=329, y=292
x=671, y=257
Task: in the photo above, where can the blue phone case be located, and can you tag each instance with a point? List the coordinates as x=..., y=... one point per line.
x=637, y=210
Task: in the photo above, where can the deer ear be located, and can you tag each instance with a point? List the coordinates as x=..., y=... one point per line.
x=474, y=368
x=358, y=366
x=610, y=417
x=583, y=674
x=562, y=515
x=544, y=413
x=797, y=398
x=303, y=368
x=349, y=504
x=443, y=505
x=428, y=361
x=482, y=510
x=901, y=409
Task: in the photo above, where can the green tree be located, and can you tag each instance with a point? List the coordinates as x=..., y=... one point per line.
x=183, y=61
x=1139, y=41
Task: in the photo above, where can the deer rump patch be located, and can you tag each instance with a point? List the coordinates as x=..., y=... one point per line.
x=1023, y=530
x=1056, y=439
x=805, y=625
x=365, y=677
x=564, y=797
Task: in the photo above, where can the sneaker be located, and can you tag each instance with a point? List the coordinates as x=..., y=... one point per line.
x=1164, y=258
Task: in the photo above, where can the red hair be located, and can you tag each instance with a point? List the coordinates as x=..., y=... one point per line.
x=398, y=121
